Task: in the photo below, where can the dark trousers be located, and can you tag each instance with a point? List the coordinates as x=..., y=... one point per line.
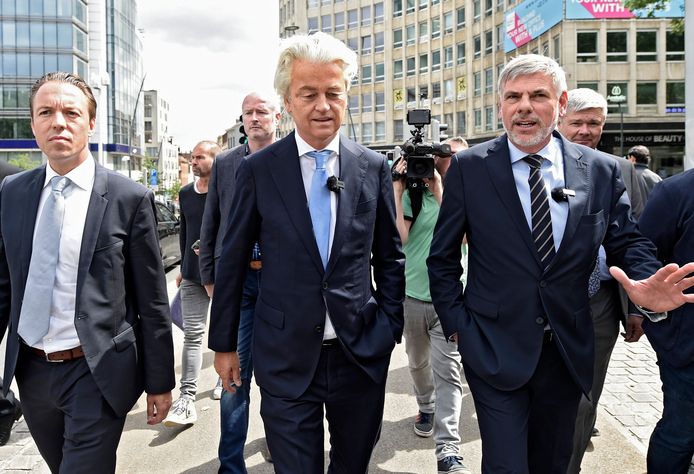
x=530, y=429
x=75, y=429
x=671, y=446
x=353, y=405
x=8, y=403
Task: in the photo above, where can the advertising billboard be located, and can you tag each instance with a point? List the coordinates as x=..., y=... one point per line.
x=528, y=21
x=614, y=9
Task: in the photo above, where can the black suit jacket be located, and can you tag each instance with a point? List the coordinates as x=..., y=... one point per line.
x=509, y=297
x=217, y=207
x=122, y=311
x=7, y=169
x=270, y=206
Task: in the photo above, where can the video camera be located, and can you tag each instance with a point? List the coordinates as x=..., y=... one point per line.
x=419, y=154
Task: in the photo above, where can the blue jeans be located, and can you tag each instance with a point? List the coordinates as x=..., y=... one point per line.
x=671, y=447
x=234, y=406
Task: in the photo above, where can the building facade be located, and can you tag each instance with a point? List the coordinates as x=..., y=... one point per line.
x=446, y=55
x=159, y=145
x=96, y=39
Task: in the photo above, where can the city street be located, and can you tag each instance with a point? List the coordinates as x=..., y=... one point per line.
x=630, y=407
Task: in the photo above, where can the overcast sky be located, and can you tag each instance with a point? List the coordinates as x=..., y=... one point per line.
x=203, y=56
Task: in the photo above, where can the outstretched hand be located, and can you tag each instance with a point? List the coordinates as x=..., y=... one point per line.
x=662, y=291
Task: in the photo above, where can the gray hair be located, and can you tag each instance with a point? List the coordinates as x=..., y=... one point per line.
x=459, y=140
x=529, y=64
x=582, y=99
x=318, y=48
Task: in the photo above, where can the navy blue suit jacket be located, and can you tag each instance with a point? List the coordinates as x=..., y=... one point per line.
x=668, y=221
x=270, y=206
x=509, y=298
x=122, y=308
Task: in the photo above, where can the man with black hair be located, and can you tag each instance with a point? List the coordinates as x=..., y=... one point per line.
x=640, y=156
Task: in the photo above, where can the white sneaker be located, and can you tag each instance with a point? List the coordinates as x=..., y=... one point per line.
x=217, y=392
x=182, y=413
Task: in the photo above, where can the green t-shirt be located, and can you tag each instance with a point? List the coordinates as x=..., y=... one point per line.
x=418, y=244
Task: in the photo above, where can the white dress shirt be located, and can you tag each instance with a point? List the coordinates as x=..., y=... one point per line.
x=332, y=167
x=61, y=333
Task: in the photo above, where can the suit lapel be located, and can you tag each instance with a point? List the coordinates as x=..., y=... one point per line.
x=32, y=198
x=352, y=171
x=285, y=169
x=501, y=175
x=92, y=224
x=576, y=179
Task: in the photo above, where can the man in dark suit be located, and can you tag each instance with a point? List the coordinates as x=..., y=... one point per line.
x=84, y=343
x=323, y=334
x=523, y=325
x=640, y=156
x=668, y=221
x=583, y=122
x=260, y=114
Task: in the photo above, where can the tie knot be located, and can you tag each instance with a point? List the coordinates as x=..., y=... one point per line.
x=59, y=183
x=535, y=161
x=320, y=156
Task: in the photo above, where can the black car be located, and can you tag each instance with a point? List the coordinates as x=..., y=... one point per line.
x=169, y=229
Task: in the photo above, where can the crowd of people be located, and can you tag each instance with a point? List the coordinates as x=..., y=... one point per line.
x=314, y=259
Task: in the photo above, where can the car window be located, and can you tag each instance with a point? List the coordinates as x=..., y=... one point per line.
x=164, y=214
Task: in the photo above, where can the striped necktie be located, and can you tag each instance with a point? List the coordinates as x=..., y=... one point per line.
x=539, y=207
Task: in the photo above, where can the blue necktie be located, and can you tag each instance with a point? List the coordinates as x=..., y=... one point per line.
x=319, y=204
x=36, y=307
x=594, y=279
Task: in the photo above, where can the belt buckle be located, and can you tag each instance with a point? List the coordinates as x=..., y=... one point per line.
x=52, y=360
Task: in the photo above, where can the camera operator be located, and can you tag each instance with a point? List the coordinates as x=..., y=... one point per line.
x=434, y=362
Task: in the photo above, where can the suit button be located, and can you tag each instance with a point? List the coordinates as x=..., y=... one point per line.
x=543, y=284
x=318, y=329
x=324, y=285
x=540, y=320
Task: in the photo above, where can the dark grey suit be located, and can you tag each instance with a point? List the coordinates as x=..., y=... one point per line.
x=121, y=312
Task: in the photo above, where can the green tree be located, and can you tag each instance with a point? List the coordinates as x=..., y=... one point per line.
x=652, y=6
x=23, y=161
x=172, y=192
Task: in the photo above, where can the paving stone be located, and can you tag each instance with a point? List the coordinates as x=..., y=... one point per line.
x=643, y=397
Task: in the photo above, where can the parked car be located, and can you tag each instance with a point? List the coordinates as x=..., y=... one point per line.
x=169, y=229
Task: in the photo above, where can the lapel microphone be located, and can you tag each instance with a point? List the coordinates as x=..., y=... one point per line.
x=562, y=194
x=335, y=185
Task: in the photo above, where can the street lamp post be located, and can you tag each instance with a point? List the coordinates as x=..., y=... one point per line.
x=616, y=97
x=127, y=158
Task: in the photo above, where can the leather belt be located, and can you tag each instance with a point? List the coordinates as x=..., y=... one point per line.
x=330, y=342
x=255, y=264
x=59, y=356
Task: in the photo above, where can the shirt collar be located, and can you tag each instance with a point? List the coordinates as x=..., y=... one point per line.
x=303, y=147
x=82, y=175
x=550, y=152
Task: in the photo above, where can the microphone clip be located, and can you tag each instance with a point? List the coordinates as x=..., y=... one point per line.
x=335, y=185
x=562, y=194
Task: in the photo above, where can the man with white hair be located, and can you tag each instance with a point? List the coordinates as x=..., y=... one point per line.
x=321, y=206
x=523, y=323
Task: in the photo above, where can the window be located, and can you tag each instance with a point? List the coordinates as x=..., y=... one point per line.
x=366, y=44
x=500, y=37
x=378, y=42
x=460, y=125
x=423, y=63
x=435, y=27
x=646, y=95
x=461, y=53
x=353, y=103
x=477, y=41
x=366, y=16
x=424, y=92
x=398, y=130
x=478, y=119
x=411, y=68
x=380, y=72
x=352, y=18
x=645, y=46
x=557, y=49
x=410, y=6
x=476, y=10
x=586, y=46
x=674, y=94
x=423, y=31
x=312, y=3
x=380, y=131
x=367, y=132
x=488, y=42
x=448, y=23
x=366, y=102
x=380, y=101
x=411, y=35
x=448, y=89
x=616, y=46
x=397, y=69
x=423, y=4
x=448, y=56
x=397, y=38
x=436, y=90
x=326, y=23
x=397, y=8
x=477, y=81
x=411, y=96
x=613, y=89
x=488, y=81
x=674, y=44
x=378, y=12
x=460, y=17
x=353, y=44
x=340, y=21
x=489, y=118
x=499, y=5
x=488, y=7
x=436, y=60
x=366, y=74
x=80, y=41
x=313, y=24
